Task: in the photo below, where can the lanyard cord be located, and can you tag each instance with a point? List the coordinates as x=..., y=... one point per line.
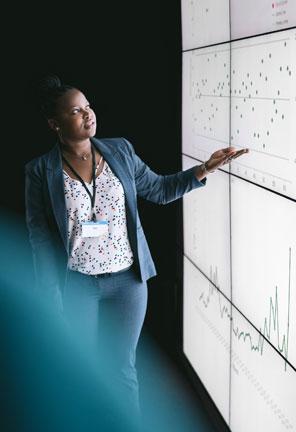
x=92, y=196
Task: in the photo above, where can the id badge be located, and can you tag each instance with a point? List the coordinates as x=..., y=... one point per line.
x=94, y=228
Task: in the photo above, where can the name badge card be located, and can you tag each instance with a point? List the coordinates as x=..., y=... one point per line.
x=94, y=228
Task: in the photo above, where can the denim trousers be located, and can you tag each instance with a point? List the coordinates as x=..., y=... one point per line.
x=106, y=312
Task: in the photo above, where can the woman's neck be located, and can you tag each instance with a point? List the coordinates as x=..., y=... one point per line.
x=77, y=148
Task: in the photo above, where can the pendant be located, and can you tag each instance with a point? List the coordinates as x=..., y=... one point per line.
x=84, y=157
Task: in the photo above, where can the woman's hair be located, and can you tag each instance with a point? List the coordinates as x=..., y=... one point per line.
x=47, y=92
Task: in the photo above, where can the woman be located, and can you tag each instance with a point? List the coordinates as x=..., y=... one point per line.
x=90, y=253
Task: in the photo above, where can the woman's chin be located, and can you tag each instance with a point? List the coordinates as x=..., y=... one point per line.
x=90, y=132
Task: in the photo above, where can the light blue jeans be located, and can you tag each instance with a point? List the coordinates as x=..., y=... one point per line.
x=107, y=313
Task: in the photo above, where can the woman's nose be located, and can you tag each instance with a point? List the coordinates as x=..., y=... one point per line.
x=86, y=114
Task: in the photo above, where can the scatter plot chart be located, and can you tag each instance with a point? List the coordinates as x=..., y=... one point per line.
x=263, y=387
x=207, y=330
x=264, y=263
x=263, y=109
x=206, y=101
x=204, y=22
x=253, y=17
x=206, y=237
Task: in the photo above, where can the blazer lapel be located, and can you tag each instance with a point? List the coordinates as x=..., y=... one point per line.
x=56, y=191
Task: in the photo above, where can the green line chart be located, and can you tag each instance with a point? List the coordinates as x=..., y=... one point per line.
x=271, y=325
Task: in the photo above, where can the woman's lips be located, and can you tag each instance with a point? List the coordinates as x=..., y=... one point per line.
x=89, y=124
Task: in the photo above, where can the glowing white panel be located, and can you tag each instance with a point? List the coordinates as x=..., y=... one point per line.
x=263, y=386
x=206, y=335
x=207, y=227
x=264, y=262
x=204, y=22
x=253, y=17
x=263, y=109
x=206, y=101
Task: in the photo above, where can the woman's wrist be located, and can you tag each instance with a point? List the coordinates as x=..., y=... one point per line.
x=201, y=171
x=207, y=167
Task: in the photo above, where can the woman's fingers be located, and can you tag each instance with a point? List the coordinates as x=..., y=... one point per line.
x=228, y=150
x=224, y=156
x=230, y=153
x=240, y=152
x=224, y=152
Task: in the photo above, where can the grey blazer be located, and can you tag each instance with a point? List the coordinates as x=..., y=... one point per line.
x=46, y=214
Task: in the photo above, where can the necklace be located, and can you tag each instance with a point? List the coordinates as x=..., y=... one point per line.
x=84, y=156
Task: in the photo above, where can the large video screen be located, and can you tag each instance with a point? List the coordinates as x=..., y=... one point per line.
x=239, y=284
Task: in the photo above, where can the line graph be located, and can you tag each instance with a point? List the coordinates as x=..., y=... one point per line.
x=209, y=319
x=270, y=323
x=264, y=265
x=205, y=298
x=205, y=332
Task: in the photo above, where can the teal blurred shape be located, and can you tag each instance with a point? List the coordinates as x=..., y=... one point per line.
x=48, y=383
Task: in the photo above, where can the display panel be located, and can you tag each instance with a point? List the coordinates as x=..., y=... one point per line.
x=241, y=91
x=263, y=109
x=204, y=22
x=206, y=101
x=263, y=386
x=207, y=330
x=254, y=17
x=264, y=262
x=206, y=236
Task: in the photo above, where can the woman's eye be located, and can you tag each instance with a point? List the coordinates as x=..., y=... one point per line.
x=75, y=111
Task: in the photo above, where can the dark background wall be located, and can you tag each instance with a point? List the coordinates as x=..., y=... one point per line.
x=126, y=57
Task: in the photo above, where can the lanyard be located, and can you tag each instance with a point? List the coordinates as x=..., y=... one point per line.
x=92, y=196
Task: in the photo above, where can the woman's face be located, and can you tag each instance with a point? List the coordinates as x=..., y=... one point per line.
x=74, y=120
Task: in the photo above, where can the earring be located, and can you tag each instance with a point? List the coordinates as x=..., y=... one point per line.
x=57, y=128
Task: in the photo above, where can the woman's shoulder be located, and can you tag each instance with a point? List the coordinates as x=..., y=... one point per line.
x=38, y=163
x=116, y=144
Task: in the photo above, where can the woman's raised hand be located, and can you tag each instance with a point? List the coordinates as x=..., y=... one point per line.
x=223, y=156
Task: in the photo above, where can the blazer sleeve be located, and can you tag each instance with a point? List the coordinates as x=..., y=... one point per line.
x=41, y=240
x=162, y=189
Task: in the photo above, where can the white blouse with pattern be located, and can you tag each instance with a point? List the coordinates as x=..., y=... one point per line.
x=104, y=254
